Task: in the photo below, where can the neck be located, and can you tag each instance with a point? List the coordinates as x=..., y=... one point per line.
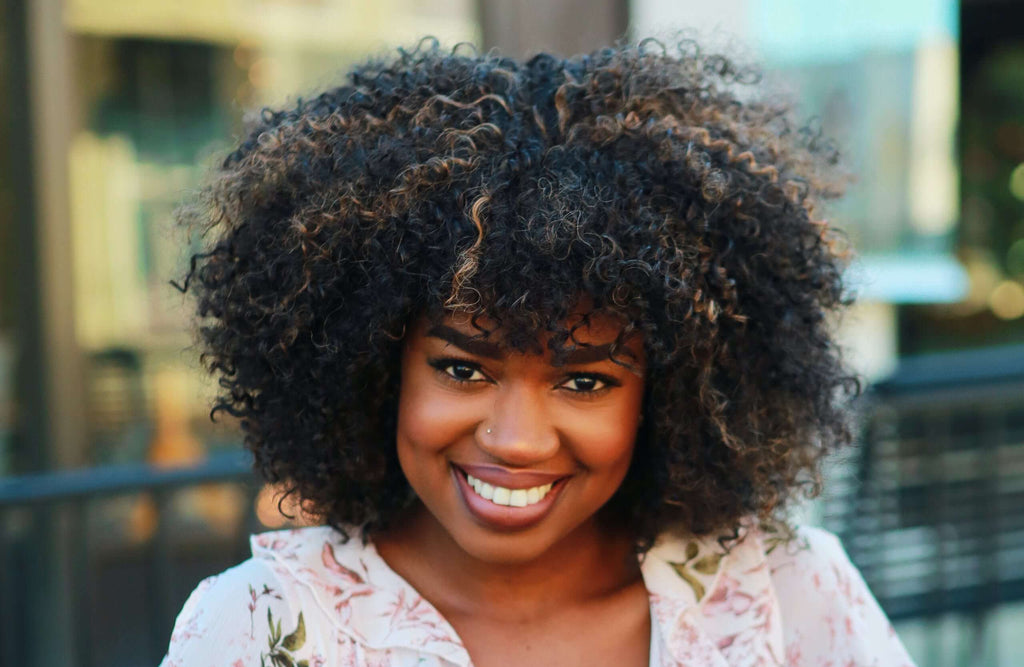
x=588, y=564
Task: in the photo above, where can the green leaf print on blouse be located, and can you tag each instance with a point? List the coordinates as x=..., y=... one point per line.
x=775, y=534
x=694, y=565
x=254, y=599
x=281, y=653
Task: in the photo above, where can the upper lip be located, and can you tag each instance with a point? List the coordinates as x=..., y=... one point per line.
x=510, y=479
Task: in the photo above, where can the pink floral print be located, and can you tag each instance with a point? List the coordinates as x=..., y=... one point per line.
x=773, y=598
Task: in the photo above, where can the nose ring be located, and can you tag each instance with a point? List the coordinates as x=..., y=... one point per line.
x=488, y=431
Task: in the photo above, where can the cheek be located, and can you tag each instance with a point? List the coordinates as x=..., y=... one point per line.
x=605, y=438
x=430, y=418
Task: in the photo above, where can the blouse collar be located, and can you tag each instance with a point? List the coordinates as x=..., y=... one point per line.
x=363, y=597
x=714, y=600
x=713, y=606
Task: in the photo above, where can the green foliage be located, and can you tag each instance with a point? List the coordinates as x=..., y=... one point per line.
x=706, y=565
x=282, y=650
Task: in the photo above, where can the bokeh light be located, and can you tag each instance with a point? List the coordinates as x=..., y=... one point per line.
x=1015, y=258
x=983, y=276
x=262, y=72
x=1017, y=182
x=1007, y=300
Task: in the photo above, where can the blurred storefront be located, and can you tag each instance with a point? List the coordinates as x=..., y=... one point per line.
x=115, y=109
x=128, y=104
x=880, y=80
x=989, y=240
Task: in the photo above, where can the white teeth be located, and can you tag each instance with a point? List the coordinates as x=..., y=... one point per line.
x=499, y=495
x=517, y=498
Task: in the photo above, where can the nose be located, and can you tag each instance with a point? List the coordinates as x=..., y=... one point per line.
x=519, y=430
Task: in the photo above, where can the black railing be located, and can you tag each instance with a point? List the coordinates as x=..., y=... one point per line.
x=94, y=564
x=931, y=508
x=83, y=485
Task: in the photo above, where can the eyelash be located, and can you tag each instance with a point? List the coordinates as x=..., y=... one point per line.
x=442, y=366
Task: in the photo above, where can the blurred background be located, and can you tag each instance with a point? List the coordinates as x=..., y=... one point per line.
x=117, y=494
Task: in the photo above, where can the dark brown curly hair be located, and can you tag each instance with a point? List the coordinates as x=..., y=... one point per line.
x=649, y=180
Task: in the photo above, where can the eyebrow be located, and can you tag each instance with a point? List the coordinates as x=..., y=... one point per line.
x=471, y=344
x=489, y=350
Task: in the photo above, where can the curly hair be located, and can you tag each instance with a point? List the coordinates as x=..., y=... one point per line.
x=649, y=180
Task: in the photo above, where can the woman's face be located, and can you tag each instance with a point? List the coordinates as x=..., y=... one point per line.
x=511, y=453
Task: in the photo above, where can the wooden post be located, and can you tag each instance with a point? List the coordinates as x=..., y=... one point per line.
x=58, y=366
x=53, y=113
x=522, y=28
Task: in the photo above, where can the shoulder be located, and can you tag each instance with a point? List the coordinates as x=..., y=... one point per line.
x=770, y=590
x=232, y=615
x=779, y=550
x=255, y=612
x=787, y=547
x=806, y=560
x=826, y=607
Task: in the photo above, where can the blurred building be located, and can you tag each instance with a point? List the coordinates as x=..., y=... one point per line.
x=113, y=111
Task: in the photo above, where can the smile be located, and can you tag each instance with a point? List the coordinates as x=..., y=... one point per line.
x=506, y=502
x=500, y=495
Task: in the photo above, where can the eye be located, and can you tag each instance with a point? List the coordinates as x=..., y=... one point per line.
x=464, y=373
x=587, y=384
x=458, y=371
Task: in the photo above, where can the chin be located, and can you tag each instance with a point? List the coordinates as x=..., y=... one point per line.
x=503, y=548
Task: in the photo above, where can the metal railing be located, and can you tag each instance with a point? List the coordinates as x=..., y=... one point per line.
x=931, y=508
x=73, y=593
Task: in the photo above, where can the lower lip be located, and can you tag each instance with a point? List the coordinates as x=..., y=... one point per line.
x=501, y=516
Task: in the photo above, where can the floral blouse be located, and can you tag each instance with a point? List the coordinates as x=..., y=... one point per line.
x=307, y=598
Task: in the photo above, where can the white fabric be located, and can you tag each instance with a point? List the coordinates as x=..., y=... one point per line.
x=306, y=597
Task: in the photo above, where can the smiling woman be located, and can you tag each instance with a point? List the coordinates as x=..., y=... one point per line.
x=550, y=340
